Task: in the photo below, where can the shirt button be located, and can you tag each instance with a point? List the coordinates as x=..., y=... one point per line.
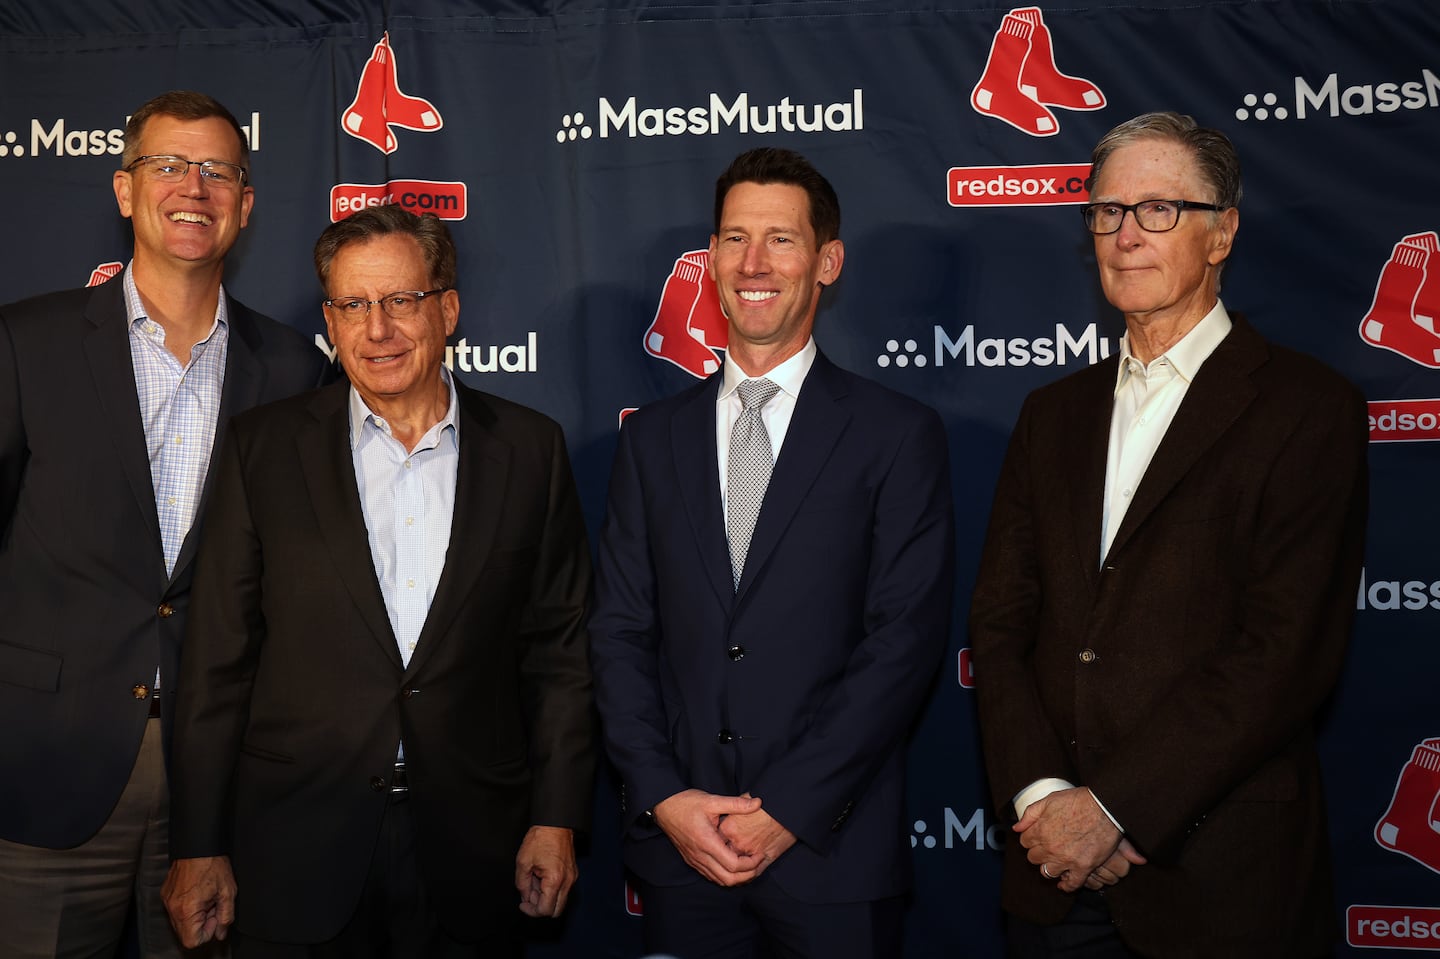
x=407, y=464
x=409, y=584
x=409, y=521
x=179, y=440
x=1087, y=656
x=736, y=653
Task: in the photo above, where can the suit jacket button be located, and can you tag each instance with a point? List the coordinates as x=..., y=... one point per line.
x=1087, y=656
x=377, y=784
x=407, y=693
x=140, y=691
x=724, y=736
x=165, y=610
x=736, y=653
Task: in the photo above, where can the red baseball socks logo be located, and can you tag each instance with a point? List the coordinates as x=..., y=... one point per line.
x=1407, y=302
x=1021, y=80
x=688, y=325
x=379, y=104
x=1411, y=826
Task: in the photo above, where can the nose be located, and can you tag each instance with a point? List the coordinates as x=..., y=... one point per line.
x=193, y=183
x=1129, y=235
x=756, y=260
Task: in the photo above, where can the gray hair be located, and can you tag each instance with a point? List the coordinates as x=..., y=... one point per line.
x=1214, y=154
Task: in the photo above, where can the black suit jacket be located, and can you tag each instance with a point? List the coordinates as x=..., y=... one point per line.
x=1181, y=678
x=88, y=610
x=800, y=687
x=293, y=698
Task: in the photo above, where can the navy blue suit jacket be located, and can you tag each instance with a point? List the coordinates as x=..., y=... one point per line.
x=799, y=687
x=88, y=608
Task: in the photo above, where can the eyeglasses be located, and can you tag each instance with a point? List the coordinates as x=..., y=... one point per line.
x=172, y=169
x=1153, y=216
x=397, y=306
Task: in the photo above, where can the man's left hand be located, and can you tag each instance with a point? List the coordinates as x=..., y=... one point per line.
x=757, y=834
x=1069, y=835
x=545, y=870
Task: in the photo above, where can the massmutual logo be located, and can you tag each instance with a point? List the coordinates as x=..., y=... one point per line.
x=61, y=137
x=737, y=112
x=970, y=347
x=466, y=357
x=1310, y=97
x=957, y=830
x=1396, y=594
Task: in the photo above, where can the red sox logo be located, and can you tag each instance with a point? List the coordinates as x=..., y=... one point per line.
x=379, y=104
x=1411, y=826
x=1402, y=317
x=688, y=327
x=104, y=271
x=1021, y=81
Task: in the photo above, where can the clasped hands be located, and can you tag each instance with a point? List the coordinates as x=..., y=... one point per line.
x=1073, y=842
x=729, y=840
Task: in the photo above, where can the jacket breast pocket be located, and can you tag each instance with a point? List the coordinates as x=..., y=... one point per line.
x=32, y=668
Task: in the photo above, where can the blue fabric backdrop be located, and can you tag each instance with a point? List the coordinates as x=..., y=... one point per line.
x=574, y=144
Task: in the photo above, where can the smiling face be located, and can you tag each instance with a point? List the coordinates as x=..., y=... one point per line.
x=191, y=222
x=769, y=272
x=1170, y=277
x=394, y=364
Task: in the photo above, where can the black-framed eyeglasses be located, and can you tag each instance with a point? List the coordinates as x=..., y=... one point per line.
x=400, y=305
x=173, y=169
x=1153, y=216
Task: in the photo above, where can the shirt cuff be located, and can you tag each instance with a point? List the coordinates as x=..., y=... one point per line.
x=1041, y=788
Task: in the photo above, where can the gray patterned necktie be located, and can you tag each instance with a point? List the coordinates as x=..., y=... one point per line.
x=747, y=473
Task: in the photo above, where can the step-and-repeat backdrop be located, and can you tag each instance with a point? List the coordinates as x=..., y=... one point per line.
x=573, y=144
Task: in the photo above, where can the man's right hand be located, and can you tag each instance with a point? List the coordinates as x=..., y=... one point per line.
x=692, y=821
x=1115, y=868
x=199, y=895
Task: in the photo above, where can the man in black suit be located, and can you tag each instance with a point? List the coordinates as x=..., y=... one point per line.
x=110, y=401
x=763, y=640
x=385, y=718
x=1165, y=595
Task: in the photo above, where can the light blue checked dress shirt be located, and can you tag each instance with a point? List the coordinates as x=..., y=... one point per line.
x=179, y=406
x=408, y=499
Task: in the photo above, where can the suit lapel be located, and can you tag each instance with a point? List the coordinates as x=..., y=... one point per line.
x=482, y=475
x=107, y=352
x=328, y=470
x=1220, y=393
x=242, y=388
x=815, y=427
x=1088, y=433
x=692, y=444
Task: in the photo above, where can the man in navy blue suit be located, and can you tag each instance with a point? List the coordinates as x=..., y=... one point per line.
x=773, y=596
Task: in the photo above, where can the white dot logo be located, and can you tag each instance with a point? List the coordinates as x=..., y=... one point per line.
x=573, y=127
x=1261, y=108
x=919, y=838
x=901, y=355
x=6, y=148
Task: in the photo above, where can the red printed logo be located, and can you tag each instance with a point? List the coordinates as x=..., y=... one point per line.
x=444, y=199
x=633, y=905
x=379, y=104
x=1393, y=927
x=1040, y=184
x=1021, y=81
x=967, y=669
x=1404, y=421
x=688, y=327
x=103, y=272
x=1411, y=826
x=1403, y=315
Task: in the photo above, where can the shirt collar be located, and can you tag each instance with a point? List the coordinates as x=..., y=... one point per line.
x=788, y=375
x=1186, y=356
x=361, y=413
x=135, y=307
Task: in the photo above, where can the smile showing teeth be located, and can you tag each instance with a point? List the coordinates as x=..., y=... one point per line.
x=757, y=296
x=185, y=216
